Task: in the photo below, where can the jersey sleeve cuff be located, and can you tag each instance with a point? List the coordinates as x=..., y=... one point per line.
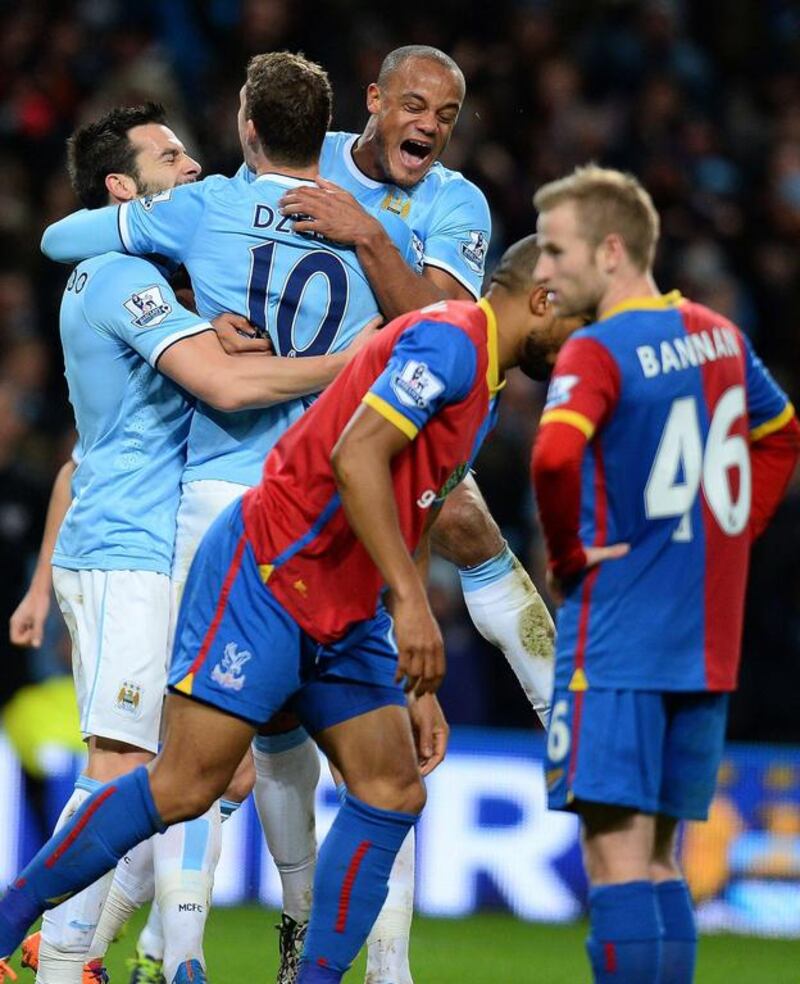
x=441, y=265
x=394, y=416
x=775, y=424
x=164, y=344
x=571, y=417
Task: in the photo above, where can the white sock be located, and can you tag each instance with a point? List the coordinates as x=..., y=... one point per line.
x=184, y=859
x=68, y=929
x=387, y=943
x=508, y=611
x=151, y=938
x=286, y=780
x=131, y=887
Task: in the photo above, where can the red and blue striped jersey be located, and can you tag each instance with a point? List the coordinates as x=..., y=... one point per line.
x=433, y=374
x=650, y=435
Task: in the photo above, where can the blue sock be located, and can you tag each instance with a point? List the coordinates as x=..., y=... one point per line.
x=114, y=819
x=625, y=939
x=678, y=932
x=350, y=886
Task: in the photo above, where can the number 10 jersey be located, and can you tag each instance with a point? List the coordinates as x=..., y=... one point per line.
x=668, y=399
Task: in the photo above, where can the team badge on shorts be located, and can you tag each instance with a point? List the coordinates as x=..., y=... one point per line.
x=228, y=672
x=148, y=307
x=129, y=699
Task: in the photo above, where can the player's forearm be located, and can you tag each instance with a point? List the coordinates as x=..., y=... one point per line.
x=60, y=498
x=773, y=461
x=396, y=286
x=556, y=473
x=89, y=232
x=364, y=480
x=263, y=381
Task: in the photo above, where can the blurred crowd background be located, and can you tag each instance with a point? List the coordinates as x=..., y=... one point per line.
x=702, y=101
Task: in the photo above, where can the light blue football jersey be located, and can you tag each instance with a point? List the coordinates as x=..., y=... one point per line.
x=447, y=215
x=312, y=297
x=118, y=316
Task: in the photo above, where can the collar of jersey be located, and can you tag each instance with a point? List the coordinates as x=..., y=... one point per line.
x=493, y=380
x=660, y=303
x=284, y=179
x=354, y=169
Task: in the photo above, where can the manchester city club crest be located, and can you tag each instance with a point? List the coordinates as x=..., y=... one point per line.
x=129, y=698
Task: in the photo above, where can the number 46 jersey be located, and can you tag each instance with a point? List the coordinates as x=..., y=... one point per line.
x=650, y=436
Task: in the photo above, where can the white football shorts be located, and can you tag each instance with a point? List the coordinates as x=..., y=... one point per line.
x=201, y=503
x=119, y=625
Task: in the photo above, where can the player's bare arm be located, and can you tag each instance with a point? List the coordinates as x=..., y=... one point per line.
x=332, y=212
x=361, y=463
x=229, y=383
x=26, y=625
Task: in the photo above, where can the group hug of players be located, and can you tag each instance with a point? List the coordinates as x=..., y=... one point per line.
x=282, y=602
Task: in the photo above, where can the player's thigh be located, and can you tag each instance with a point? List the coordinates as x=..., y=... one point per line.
x=203, y=746
x=201, y=503
x=349, y=677
x=119, y=623
x=605, y=746
x=464, y=532
x=693, y=747
x=236, y=648
x=375, y=754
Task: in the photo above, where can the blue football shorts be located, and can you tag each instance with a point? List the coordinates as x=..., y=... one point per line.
x=237, y=648
x=652, y=751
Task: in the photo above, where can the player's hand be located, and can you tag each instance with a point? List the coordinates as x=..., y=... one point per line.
x=420, y=648
x=431, y=731
x=237, y=335
x=26, y=625
x=367, y=333
x=594, y=556
x=328, y=211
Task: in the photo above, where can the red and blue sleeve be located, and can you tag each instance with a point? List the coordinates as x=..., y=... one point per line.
x=774, y=440
x=432, y=364
x=583, y=393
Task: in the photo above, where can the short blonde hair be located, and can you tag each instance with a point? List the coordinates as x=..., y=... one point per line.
x=607, y=202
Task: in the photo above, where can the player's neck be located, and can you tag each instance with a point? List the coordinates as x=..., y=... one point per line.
x=307, y=172
x=507, y=317
x=625, y=289
x=366, y=156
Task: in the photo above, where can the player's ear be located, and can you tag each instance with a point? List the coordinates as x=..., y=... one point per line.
x=122, y=187
x=611, y=250
x=538, y=301
x=373, y=98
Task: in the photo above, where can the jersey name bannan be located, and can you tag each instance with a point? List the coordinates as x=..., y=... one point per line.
x=688, y=350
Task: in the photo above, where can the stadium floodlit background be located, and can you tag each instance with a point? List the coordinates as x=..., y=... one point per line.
x=702, y=101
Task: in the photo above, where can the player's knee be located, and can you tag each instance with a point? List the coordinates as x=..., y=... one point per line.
x=464, y=532
x=400, y=794
x=186, y=793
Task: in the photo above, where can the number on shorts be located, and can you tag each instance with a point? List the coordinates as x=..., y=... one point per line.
x=559, y=738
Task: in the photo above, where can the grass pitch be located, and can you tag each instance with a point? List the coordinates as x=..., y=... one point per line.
x=241, y=946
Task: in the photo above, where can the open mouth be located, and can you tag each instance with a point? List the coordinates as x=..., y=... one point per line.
x=415, y=153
